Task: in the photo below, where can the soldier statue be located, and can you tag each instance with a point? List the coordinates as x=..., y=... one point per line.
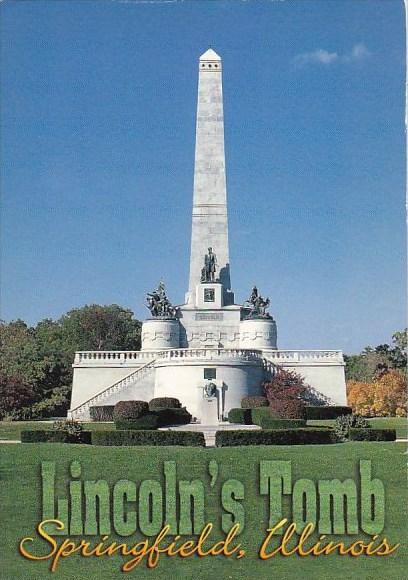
x=158, y=303
x=257, y=305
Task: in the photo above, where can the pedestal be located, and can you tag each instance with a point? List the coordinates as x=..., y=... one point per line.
x=209, y=414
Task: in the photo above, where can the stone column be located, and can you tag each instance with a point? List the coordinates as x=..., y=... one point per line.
x=210, y=222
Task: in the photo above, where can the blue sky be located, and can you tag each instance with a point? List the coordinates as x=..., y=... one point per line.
x=98, y=114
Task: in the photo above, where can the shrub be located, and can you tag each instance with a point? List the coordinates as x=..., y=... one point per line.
x=146, y=422
x=272, y=423
x=53, y=436
x=307, y=436
x=184, y=438
x=254, y=402
x=129, y=410
x=172, y=416
x=102, y=412
x=326, y=412
x=238, y=415
x=164, y=403
x=344, y=423
x=71, y=428
x=356, y=434
x=260, y=412
x=285, y=393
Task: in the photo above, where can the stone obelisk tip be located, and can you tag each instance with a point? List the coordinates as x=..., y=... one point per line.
x=210, y=54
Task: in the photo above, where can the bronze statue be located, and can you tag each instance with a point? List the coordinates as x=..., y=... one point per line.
x=257, y=305
x=158, y=303
x=210, y=267
x=210, y=390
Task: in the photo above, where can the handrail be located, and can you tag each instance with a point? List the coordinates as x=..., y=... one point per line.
x=114, y=386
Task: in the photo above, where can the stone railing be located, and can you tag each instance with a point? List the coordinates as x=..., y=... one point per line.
x=132, y=357
x=210, y=354
x=304, y=356
x=109, y=357
x=131, y=378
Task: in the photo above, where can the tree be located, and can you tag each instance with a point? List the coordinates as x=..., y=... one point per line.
x=19, y=353
x=385, y=396
x=372, y=362
x=95, y=327
x=42, y=356
x=15, y=394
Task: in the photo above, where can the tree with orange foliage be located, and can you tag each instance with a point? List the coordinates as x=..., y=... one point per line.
x=386, y=396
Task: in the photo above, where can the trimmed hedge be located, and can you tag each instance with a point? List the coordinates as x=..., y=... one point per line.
x=149, y=421
x=53, y=436
x=307, y=436
x=254, y=402
x=238, y=415
x=272, y=423
x=258, y=414
x=164, y=403
x=172, y=416
x=356, y=434
x=102, y=412
x=184, y=438
x=326, y=412
x=130, y=410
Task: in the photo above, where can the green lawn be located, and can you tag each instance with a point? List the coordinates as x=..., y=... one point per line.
x=20, y=501
x=400, y=424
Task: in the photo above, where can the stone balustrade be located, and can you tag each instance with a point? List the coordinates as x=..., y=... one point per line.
x=210, y=354
x=118, y=386
x=323, y=356
x=106, y=357
x=130, y=358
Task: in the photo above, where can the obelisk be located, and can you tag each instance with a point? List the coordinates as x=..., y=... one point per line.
x=210, y=220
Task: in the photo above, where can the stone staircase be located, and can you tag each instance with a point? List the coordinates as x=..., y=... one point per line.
x=81, y=412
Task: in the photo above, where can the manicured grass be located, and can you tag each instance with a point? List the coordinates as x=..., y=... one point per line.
x=400, y=424
x=21, y=507
x=12, y=429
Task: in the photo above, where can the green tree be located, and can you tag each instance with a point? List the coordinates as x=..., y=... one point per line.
x=19, y=353
x=42, y=357
x=373, y=362
x=95, y=327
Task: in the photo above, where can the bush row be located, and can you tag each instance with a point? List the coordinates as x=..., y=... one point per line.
x=330, y=412
x=155, y=419
x=164, y=402
x=184, y=438
x=106, y=412
x=272, y=423
x=356, y=434
x=172, y=416
x=307, y=436
x=149, y=421
x=52, y=436
x=242, y=416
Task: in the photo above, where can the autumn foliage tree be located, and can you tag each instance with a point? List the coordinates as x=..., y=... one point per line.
x=385, y=396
